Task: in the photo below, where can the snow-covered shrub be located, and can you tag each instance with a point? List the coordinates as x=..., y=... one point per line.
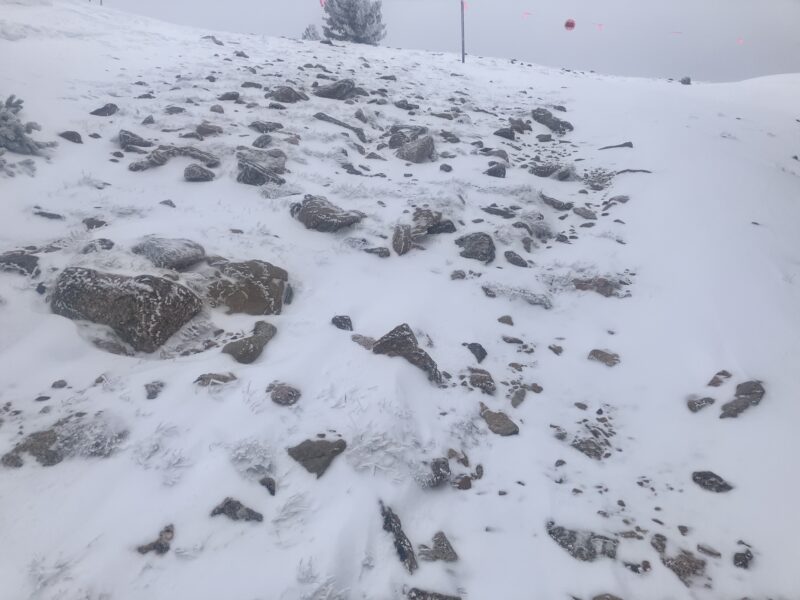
x=359, y=21
x=13, y=134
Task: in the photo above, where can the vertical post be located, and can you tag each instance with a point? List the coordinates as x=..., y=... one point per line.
x=463, y=47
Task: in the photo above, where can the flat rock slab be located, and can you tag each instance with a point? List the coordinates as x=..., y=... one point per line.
x=169, y=253
x=498, y=422
x=319, y=214
x=145, y=311
x=253, y=287
x=708, y=480
x=317, y=455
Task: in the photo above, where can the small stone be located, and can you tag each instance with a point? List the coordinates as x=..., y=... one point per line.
x=161, y=545
x=506, y=320
x=269, y=483
x=498, y=422
x=697, y=404
x=283, y=394
x=743, y=559
x=71, y=136
x=153, y=389
x=196, y=173
x=478, y=246
x=719, y=378
x=317, y=455
x=105, y=111
x=708, y=480
x=482, y=379
x=342, y=322
x=515, y=259
x=609, y=359
x=214, y=379
x=496, y=170
x=556, y=349
x=236, y=511
x=402, y=545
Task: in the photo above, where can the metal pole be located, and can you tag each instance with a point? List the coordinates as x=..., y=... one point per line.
x=463, y=47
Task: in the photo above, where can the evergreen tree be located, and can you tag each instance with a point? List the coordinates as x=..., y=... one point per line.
x=311, y=33
x=358, y=21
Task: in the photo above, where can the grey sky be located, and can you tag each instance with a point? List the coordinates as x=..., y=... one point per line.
x=708, y=39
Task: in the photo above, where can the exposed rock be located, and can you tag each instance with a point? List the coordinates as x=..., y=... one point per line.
x=506, y=320
x=71, y=136
x=440, y=473
x=357, y=130
x=161, y=155
x=214, y=379
x=287, y=95
x=743, y=559
x=97, y=246
x=153, y=389
x=749, y=393
x=161, y=545
x=197, y=173
x=269, y=483
x=498, y=422
x=207, y=129
x=406, y=105
x=317, y=455
x=145, y=311
x=127, y=138
x=708, y=480
x=418, y=594
x=515, y=259
x=401, y=341
x=364, y=341
x=684, y=564
x=216, y=108
x=418, y=151
x=247, y=350
x=554, y=124
x=228, y=96
x=478, y=246
x=697, y=404
x=507, y=133
x=174, y=110
x=236, y=511
x=604, y=356
x=554, y=203
x=20, y=262
x=496, y=170
x=265, y=126
x=482, y=380
x=441, y=549
x=338, y=90
x=606, y=597
x=319, y=214
x=283, y=394
x=105, y=111
x=253, y=287
x=584, y=212
x=601, y=285
x=405, y=551
x=167, y=253
x=719, y=378
x=262, y=141
x=342, y=322
x=380, y=252
x=581, y=544
x=259, y=167
x=402, y=241
x=478, y=351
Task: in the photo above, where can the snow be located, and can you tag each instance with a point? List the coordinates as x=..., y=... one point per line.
x=711, y=290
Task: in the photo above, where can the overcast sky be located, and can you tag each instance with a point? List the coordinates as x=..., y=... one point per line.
x=717, y=40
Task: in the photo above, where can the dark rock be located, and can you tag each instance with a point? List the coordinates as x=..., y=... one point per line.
x=440, y=472
x=684, y=564
x=228, y=96
x=606, y=597
x=697, y=404
x=97, y=246
x=478, y=246
x=269, y=483
x=515, y=259
x=379, y=252
x=418, y=151
x=145, y=311
x=317, y=455
x=418, y=594
x=584, y=212
x=401, y=240
x=166, y=253
x=339, y=90
x=496, y=170
x=71, y=136
x=161, y=155
x=749, y=393
x=609, y=359
x=236, y=511
x=708, y=480
x=556, y=204
x=252, y=287
x=247, y=350
x=402, y=342
x=581, y=544
x=446, y=226
x=207, y=129
x=20, y=262
x=328, y=119
x=59, y=384
x=174, y=110
x=544, y=137
x=105, y=111
x=216, y=108
x=554, y=124
x=252, y=85
x=622, y=145
x=283, y=394
x=262, y=141
x=265, y=126
x=478, y=351
x=507, y=133
x=153, y=389
x=482, y=380
x=445, y=168
x=342, y=322
x=498, y=422
x=214, y=379
x=406, y=105
x=719, y=378
x=686, y=80
x=506, y=320
x=708, y=551
x=743, y=559
x=402, y=545
x=441, y=549
x=48, y=215
x=259, y=167
x=317, y=213
x=161, y=545
x=93, y=223
x=197, y=173
x=601, y=285
x=287, y=95
x=127, y=138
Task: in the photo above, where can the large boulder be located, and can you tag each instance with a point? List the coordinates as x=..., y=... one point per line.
x=247, y=350
x=418, y=151
x=319, y=214
x=478, y=246
x=317, y=455
x=170, y=253
x=253, y=287
x=338, y=90
x=145, y=311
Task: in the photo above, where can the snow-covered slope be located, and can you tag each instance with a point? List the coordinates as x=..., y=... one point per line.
x=599, y=489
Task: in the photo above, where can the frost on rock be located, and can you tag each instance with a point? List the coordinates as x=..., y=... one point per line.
x=161, y=155
x=583, y=545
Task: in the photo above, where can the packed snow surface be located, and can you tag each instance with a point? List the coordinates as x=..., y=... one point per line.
x=555, y=419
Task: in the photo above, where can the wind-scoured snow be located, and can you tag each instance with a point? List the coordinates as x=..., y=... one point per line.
x=311, y=472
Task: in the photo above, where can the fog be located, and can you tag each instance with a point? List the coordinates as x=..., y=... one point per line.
x=714, y=40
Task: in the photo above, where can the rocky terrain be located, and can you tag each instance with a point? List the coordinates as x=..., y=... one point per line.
x=293, y=320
